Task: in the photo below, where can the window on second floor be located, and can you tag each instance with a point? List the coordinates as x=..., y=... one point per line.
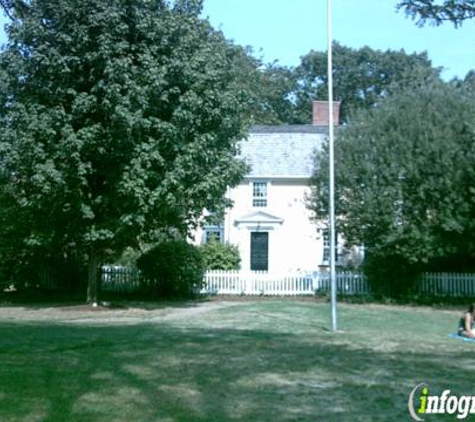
x=259, y=194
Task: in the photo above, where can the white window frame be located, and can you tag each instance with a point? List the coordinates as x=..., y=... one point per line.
x=208, y=230
x=260, y=201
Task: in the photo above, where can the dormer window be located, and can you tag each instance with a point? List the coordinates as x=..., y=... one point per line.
x=259, y=194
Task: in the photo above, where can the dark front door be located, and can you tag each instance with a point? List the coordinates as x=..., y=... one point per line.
x=259, y=251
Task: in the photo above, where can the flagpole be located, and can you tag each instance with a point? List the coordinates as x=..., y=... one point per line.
x=332, y=170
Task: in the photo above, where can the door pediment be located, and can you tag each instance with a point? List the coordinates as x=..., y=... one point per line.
x=259, y=218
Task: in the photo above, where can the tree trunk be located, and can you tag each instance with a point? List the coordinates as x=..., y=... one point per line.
x=92, y=282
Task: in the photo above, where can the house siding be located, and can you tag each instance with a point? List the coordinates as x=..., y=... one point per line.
x=283, y=157
x=294, y=244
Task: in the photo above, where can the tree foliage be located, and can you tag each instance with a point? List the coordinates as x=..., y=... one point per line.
x=361, y=77
x=220, y=256
x=437, y=12
x=406, y=176
x=119, y=122
x=274, y=87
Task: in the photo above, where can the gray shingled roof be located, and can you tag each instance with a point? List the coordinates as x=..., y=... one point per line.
x=282, y=151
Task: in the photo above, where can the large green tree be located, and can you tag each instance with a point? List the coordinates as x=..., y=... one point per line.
x=405, y=176
x=361, y=77
x=119, y=121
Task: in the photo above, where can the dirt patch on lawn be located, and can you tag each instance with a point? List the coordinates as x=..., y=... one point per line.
x=133, y=312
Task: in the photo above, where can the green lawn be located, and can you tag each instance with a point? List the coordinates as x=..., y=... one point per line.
x=271, y=360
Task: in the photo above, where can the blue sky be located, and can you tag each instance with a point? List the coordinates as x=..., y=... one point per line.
x=285, y=30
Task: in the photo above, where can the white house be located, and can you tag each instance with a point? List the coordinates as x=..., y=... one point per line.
x=269, y=220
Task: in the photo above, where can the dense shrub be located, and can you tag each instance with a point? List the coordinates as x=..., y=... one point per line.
x=220, y=256
x=391, y=275
x=172, y=269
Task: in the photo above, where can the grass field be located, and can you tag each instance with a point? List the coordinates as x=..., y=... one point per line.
x=272, y=360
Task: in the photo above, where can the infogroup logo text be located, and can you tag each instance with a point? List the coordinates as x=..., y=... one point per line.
x=422, y=403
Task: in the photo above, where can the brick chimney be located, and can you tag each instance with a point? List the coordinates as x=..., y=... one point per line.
x=320, y=113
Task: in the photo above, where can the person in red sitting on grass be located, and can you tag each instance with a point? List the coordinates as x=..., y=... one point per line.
x=466, y=323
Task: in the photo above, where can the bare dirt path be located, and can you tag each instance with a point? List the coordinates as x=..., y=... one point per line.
x=133, y=313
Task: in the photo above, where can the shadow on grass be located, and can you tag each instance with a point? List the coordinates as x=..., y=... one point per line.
x=157, y=372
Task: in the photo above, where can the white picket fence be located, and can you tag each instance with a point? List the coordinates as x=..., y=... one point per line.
x=117, y=278
x=447, y=284
x=265, y=283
